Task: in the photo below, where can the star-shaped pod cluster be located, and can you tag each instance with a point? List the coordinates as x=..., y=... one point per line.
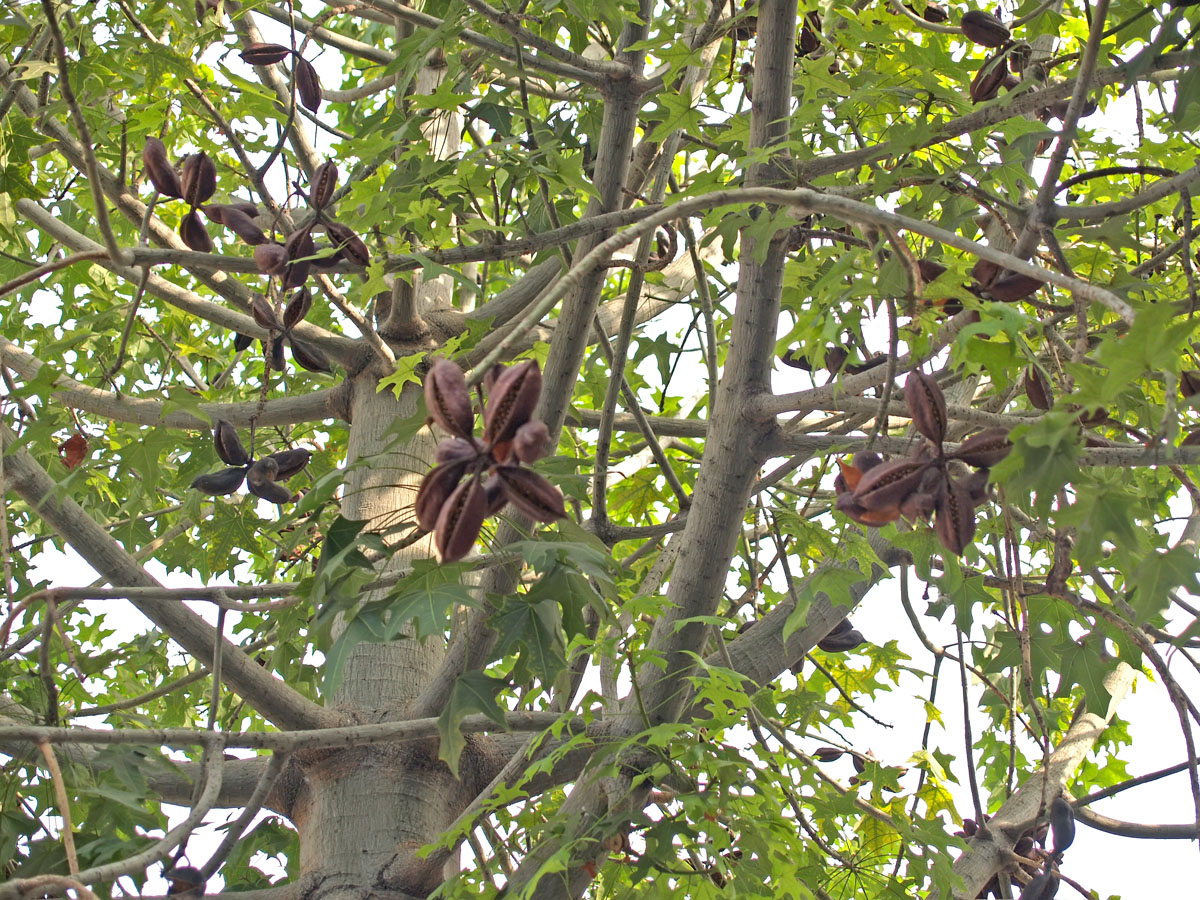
x=262, y=476
x=455, y=497
x=872, y=491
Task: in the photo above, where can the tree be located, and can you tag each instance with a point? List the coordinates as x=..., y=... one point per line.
x=820, y=299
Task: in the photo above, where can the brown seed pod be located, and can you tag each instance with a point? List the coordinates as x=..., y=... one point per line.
x=325, y=256
x=241, y=341
x=1062, y=822
x=984, y=449
x=840, y=643
x=159, y=169
x=531, y=441
x=349, y=244
x=243, y=226
x=954, y=519
x=511, y=402
x=262, y=54
x=494, y=495
x=1042, y=886
x=459, y=521
x=1192, y=439
x=436, y=487
x=229, y=445
x=448, y=400
x=930, y=269
x=984, y=272
x=987, y=81
x=291, y=462
x=1189, y=383
x=261, y=310
x=1037, y=389
x=931, y=13
x=296, y=274
x=886, y=485
x=324, y=180
x=926, y=404
x=271, y=259
x=194, y=234
x=273, y=354
x=1019, y=56
x=456, y=449
x=532, y=494
x=260, y=481
x=308, y=85
x=984, y=29
x=224, y=482
x=297, y=308
x=215, y=212
x=828, y=754
x=841, y=627
x=810, y=35
x=309, y=356
x=299, y=246
x=1012, y=286
x=245, y=207
x=198, y=178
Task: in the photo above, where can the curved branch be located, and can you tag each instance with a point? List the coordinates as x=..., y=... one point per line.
x=1152, y=830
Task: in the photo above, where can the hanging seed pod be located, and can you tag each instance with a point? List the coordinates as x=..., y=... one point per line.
x=308, y=85
x=459, y=521
x=218, y=483
x=841, y=627
x=245, y=207
x=954, y=520
x=271, y=259
x=215, y=212
x=930, y=269
x=309, y=356
x=1019, y=56
x=199, y=179
x=436, y=487
x=1062, y=823
x=1011, y=287
x=886, y=485
x=977, y=486
x=531, y=441
x=261, y=54
x=810, y=35
x=1042, y=886
x=260, y=481
x=841, y=643
x=1189, y=383
x=984, y=272
x=511, y=402
x=159, y=169
x=296, y=275
x=194, y=234
x=299, y=247
x=532, y=494
x=290, y=462
x=241, y=341
x=494, y=495
x=856, y=512
x=297, y=308
x=349, y=244
x=828, y=754
x=931, y=13
x=984, y=449
x=926, y=404
x=987, y=81
x=261, y=310
x=1037, y=389
x=229, y=445
x=984, y=29
x=324, y=180
x=243, y=226
x=448, y=400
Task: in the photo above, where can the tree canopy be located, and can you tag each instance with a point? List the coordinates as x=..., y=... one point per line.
x=530, y=395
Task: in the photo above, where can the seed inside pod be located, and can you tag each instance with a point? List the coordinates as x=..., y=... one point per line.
x=886, y=485
x=448, y=400
x=297, y=308
x=984, y=449
x=308, y=85
x=349, y=244
x=511, y=402
x=199, y=179
x=323, y=182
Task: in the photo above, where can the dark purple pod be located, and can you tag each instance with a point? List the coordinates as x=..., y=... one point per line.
x=271, y=259
x=260, y=481
x=229, y=446
x=297, y=308
x=459, y=522
x=198, y=178
x=436, y=487
x=263, y=54
x=309, y=356
x=532, y=494
x=159, y=169
x=194, y=234
x=985, y=448
x=349, y=244
x=511, y=402
x=308, y=85
x=447, y=398
x=290, y=462
x=224, y=482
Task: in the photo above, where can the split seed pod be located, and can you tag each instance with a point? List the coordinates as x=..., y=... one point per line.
x=308, y=85
x=194, y=234
x=984, y=449
x=159, y=169
x=199, y=179
x=229, y=445
x=349, y=244
x=459, y=522
x=224, y=482
x=436, y=487
x=447, y=398
x=323, y=182
x=886, y=485
x=1189, y=383
x=926, y=405
x=828, y=754
x=309, y=356
x=988, y=80
x=810, y=34
x=1042, y=886
x=273, y=353
x=984, y=29
x=297, y=308
x=532, y=494
x=511, y=402
x=456, y=449
x=954, y=521
x=264, y=315
x=262, y=54
x=271, y=259
x=291, y=462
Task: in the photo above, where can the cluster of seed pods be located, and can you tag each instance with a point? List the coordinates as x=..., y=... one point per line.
x=476, y=477
x=262, y=476
x=872, y=491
